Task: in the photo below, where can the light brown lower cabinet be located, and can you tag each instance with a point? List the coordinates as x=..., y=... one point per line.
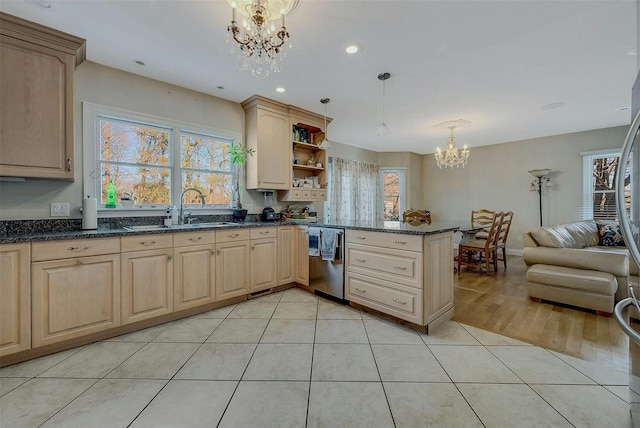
x=233, y=254
x=302, y=255
x=407, y=276
x=264, y=264
x=74, y=297
x=286, y=251
x=194, y=269
x=147, y=277
x=15, y=298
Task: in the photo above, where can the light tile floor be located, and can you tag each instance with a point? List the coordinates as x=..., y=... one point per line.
x=291, y=359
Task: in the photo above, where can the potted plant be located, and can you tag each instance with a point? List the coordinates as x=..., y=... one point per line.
x=238, y=155
x=127, y=200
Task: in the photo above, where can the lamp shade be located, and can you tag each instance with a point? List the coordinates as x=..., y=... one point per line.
x=540, y=172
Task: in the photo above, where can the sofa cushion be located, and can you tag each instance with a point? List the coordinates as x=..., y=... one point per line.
x=614, y=260
x=609, y=234
x=578, y=234
x=578, y=279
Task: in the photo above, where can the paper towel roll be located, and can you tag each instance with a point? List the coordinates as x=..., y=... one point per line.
x=89, y=213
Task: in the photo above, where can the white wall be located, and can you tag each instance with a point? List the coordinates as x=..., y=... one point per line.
x=496, y=178
x=103, y=85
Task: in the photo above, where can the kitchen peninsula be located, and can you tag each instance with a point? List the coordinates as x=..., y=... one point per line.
x=74, y=287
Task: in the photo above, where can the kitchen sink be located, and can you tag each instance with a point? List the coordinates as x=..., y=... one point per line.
x=145, y=227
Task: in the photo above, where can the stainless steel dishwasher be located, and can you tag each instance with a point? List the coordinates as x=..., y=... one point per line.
x=326, y=268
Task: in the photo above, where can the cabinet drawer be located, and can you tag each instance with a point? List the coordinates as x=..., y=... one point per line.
x=232, y=235
x=400, y=266
x=322, y=195
x=393, y=299
x=54, y=250
x=264, y=232
x=194, y=238
x=387, y=240
x=306, y=194
x=146, y=242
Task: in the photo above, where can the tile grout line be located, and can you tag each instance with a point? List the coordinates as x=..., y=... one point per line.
x=384, y=390
x=248, y=362
x=180, y=368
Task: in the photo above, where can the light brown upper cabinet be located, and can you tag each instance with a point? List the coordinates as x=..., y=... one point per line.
x=268, y=133
x=36, y=82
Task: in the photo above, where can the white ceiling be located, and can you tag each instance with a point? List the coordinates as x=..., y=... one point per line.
x=495, y=63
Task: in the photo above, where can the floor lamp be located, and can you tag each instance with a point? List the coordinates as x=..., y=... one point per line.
x=542, y=176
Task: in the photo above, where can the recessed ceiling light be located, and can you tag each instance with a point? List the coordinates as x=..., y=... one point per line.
x=552, y=106
x=351, y=49
x=623, y=108
x=40, y=3
x=139, y=62
x=280, y=89
x=632, y=52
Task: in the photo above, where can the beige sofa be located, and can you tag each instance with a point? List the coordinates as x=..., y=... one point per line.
x=565, y=264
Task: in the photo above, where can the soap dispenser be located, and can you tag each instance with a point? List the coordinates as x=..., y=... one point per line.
x=112, y=195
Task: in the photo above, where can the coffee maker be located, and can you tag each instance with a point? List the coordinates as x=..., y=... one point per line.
x=268, y=213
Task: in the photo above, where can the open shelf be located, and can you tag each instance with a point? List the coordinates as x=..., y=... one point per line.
x=306, y=146
x=306, y=167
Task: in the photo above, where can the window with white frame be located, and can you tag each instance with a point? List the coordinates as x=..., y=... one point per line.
x=155, y=159
x=600, y=170
x=393, y=193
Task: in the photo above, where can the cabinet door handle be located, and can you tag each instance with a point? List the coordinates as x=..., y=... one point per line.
x=253, y=247
x=361, y=237
x=147, y=243
x=68, y=164
x=235, y=235
x=86, y=247
x=395, y=241
x=399, y=267
x=263, y=233
x=213, y=253
x=361, y=260
x=169, y=258
x=359, y=289
x=218, y=251
x=402, y=302
x=80, y=262
x=195, y=239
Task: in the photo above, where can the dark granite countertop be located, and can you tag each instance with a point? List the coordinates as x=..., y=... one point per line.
x=386, y=226
x=107, y=230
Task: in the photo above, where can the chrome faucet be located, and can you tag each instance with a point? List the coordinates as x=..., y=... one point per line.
x=181, y=216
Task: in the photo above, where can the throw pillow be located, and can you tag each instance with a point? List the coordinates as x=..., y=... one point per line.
x=610, y=235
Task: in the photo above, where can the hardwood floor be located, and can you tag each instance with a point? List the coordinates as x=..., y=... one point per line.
x=499, y=303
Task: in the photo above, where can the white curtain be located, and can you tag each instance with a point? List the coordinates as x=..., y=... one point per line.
x=354, y=190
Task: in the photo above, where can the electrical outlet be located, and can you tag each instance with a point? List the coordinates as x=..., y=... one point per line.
x=519, y=238
x=60, y=209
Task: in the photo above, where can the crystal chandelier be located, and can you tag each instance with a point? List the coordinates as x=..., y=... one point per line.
x=260, y=47
x=453, y=156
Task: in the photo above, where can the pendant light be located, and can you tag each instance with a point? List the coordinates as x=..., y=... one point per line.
x=383, y=129
x=326, y=144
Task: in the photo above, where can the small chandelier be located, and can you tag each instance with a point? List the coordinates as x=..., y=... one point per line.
x=453, y=156
x=260, y=47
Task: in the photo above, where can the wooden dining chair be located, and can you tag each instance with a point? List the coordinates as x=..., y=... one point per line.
x=482, y=219
x=503, y=235
x=484, y=249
